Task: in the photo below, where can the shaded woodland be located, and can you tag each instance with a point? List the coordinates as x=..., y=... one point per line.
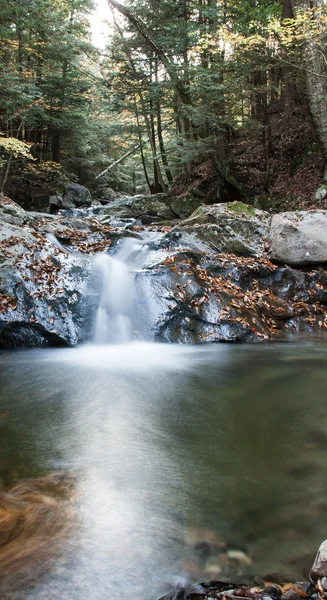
x=223, y=99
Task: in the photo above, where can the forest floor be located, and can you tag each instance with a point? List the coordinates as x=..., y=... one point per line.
x=294, y=161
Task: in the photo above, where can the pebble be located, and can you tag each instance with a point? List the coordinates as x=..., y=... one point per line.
x=272, y=591
x=290, y=595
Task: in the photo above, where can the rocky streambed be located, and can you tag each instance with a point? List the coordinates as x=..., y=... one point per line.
x=276, y=588
x=225, y=273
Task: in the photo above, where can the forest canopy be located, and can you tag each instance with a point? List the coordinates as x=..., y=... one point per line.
x=176, y=83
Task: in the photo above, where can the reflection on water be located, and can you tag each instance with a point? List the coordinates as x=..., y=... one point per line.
x=35, y=516
x=163, y=441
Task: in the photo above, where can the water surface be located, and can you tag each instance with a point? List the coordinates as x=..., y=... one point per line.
x=163, y=440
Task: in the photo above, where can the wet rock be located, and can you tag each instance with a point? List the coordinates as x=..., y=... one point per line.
x=232, y=228
x=58, y=202
x=212, y=568
x=148, y=209
x=242, y=558
x=319, y=567
x=55, y=201
x=42, y=291
x=195, y=297
x=76, y=194
x=299, y=238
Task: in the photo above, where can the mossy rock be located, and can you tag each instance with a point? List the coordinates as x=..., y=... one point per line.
x=232, y=227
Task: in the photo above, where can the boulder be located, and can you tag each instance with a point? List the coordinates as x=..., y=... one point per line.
x=149, y=209
x=10, y=212
x=299, y=238
x=233, y=227
x=42, y=291
x=57, y=202
x=184, y=206
x=76, y=194
x=319, y=567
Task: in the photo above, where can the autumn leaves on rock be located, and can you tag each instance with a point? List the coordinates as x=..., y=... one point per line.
x=187, y=292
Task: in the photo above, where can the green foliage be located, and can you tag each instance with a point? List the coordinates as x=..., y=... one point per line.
x=211, y=66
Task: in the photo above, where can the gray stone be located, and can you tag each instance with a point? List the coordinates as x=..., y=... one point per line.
x=321, y=194
x=319, y=567
x=146, y=208
x=299, y=238
x=10, y=212
x=233, y=228
x=76, y=194
x=184, y=206
x=55, y=201
x=42, y=291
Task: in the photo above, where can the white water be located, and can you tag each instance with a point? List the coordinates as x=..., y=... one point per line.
x=115, y=317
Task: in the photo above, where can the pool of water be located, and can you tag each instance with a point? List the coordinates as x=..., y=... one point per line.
x=172, y=448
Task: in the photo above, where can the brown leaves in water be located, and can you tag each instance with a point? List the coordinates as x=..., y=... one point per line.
x=35, y=515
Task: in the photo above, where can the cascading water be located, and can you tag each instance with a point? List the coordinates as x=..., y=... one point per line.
x=115, y=317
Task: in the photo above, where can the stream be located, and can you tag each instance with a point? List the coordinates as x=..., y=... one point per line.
x=163, y=442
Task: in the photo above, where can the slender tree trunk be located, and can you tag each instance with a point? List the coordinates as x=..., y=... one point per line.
x=162, y=145
x=159, y=183
x=315, y=69
x=141, y=147
x=288, y=86
x=7, y=171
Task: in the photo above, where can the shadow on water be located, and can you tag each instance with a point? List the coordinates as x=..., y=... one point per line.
x=163, y=442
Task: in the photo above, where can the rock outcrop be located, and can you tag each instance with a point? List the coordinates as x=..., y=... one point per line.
x=299, y=238
x=233, y=227
x=42, y=291
x=193, y=286
x=194, y=297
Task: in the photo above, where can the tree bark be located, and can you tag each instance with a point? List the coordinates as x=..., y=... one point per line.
x=314, y=62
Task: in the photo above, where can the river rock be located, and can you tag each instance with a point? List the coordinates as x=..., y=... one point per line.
x=195, y=297
x=186, y=291
x=319, y=567
x=299, y=238
x=42, y=291
x=58, y=202
x=10, y=212
x=149, y=209
x=184, y=206
x=77, y=195
x=232, y=228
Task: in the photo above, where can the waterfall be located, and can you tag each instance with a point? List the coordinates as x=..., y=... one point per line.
x=115, y=318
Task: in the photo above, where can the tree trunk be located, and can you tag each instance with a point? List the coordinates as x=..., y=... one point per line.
x=315, y=70
x=159, y=184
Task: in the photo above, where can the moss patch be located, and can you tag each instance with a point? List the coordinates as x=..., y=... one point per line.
x=240, y=209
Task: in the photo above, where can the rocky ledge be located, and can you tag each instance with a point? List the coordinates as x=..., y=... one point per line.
x=226, y=273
